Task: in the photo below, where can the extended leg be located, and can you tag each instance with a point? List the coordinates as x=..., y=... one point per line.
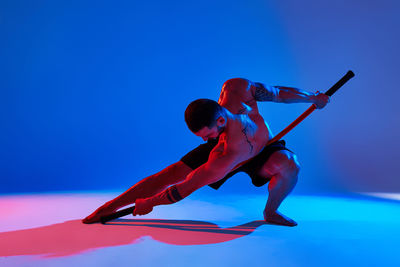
x=147, y=187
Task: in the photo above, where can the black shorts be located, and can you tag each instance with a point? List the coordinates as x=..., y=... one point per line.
x=199, y=156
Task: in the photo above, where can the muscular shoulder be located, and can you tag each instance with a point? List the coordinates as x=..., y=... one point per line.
x=237, y=96
x=237, y=85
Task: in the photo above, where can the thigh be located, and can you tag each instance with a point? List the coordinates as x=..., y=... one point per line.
x=181, y=169
x=174, y=173
x=278, y=162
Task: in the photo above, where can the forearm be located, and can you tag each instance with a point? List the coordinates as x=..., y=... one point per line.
x=143, y=189
x=294, y=95
x=194, y=180
x=168, y=196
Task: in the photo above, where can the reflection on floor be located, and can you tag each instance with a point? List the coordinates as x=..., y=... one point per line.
x=45, y=230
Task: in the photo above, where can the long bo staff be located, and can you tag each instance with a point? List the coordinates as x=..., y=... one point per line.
x=330, y=92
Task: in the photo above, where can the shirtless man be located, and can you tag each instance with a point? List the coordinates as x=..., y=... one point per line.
x=236, y=132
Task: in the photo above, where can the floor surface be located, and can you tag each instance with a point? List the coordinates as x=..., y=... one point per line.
x=202, y=230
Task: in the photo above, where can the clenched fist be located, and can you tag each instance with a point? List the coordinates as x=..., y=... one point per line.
x=142, y=206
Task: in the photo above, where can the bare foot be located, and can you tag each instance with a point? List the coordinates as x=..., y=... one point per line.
x=278, y=218
x=97, y=214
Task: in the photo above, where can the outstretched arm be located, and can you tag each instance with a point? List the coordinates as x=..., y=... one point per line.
x=218, y=165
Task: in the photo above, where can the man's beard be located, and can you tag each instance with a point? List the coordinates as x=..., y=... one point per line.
x=220, y=130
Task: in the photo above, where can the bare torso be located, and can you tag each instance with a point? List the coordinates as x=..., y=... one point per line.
x=246, y=131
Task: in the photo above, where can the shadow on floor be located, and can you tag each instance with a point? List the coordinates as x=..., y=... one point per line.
x=74, y=237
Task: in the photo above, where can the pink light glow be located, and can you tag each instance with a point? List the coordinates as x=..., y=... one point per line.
x=73, y=237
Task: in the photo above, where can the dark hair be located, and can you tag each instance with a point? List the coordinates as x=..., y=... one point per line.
x=202, y=113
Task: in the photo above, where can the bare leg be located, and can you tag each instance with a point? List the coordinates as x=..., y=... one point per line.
x=147, y=187
x=284, y=168
x=279, y=187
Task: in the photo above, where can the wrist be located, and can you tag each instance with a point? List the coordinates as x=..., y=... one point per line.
x=159, y=199
x=312, y=98
x=151, y=201
x=168, y=196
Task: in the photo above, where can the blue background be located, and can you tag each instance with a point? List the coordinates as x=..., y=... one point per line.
x=93, y=92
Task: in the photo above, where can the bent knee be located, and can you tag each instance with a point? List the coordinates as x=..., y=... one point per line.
x=291, y=171
x=281, y=163
x=290, y=165
x=294, y=165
